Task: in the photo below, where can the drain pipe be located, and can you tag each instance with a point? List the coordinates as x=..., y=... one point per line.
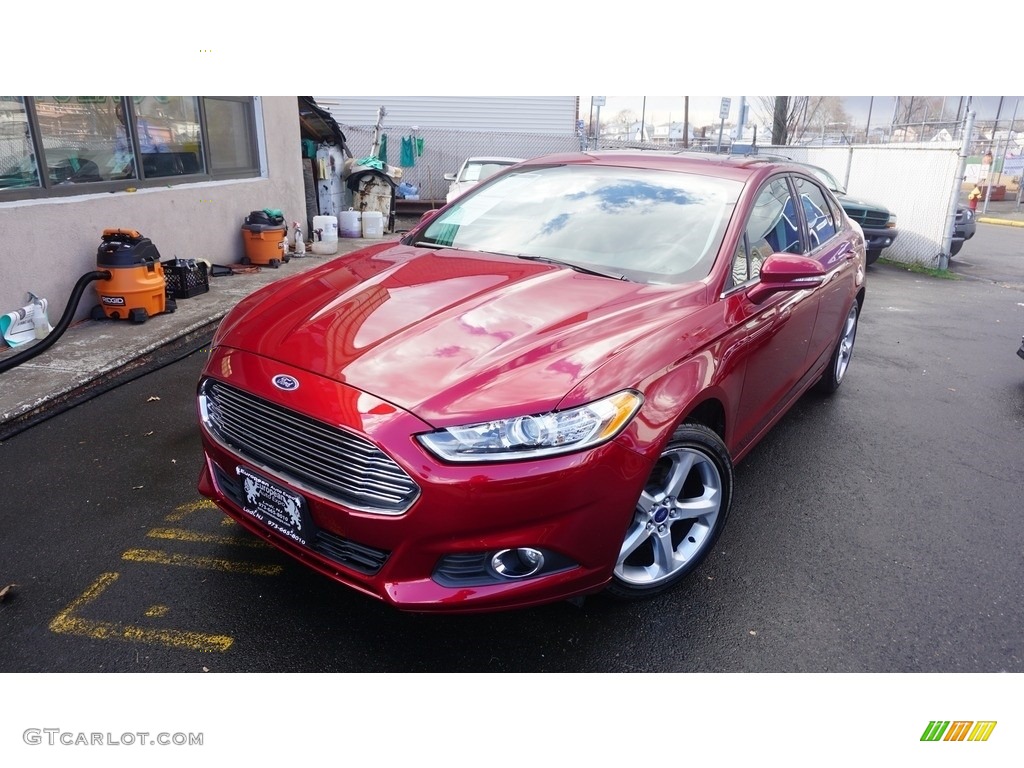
x=65, y=320
x=947, y=236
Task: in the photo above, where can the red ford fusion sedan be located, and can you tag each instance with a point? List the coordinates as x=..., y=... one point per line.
x=541, y=391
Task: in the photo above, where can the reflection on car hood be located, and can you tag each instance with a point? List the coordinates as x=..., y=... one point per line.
x=451, y=335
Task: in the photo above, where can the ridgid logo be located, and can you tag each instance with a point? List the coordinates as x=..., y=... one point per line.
x=958, y=730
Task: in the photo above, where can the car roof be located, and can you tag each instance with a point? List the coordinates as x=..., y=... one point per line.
x=739, y=167
x=491, y=159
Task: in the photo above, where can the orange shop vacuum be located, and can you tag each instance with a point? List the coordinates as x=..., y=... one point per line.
x=137, y=288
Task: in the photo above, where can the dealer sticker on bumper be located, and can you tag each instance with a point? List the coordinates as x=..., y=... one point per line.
x=274, y=506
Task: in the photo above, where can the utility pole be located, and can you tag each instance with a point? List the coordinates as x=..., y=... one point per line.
x=686, y=122
x=947, y=237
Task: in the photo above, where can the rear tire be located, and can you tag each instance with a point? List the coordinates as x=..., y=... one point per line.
x=840, y=361
x=679, y=514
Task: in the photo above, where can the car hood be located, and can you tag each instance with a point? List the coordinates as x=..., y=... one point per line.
x=452, y=335
x=848, y=200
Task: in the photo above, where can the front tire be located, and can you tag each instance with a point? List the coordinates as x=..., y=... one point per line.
x=841, y=355
x=872, y=256
x=679, y=514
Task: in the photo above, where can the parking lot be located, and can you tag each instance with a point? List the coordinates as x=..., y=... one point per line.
x=876, y=531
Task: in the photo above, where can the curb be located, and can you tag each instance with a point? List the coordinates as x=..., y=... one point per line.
x=172, y=351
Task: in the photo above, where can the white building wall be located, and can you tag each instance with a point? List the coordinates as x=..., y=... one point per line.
x=49, y=244
x=527, y=114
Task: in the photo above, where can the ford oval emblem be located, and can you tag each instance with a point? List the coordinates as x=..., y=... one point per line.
x=285, y=382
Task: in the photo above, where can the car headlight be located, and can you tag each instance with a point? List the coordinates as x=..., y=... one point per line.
x=891, y=224
x=528, y=437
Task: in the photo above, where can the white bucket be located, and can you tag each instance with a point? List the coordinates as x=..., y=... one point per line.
x=326, y=242
x=373, y=224
x=349, y=223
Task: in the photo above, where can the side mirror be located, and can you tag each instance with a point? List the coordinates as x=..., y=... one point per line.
x=450, y=177
x=428, y=215
x=786, y=272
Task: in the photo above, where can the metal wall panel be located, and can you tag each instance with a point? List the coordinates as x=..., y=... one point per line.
x=527, y=114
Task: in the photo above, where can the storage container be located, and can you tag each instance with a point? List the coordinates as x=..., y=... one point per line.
x=373, y=224
x=186, y=278
x=325, y=235
x=350, y=223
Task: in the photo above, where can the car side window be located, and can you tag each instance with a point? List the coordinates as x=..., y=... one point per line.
x=821, y=222
x=773, y=227
x=837, y=213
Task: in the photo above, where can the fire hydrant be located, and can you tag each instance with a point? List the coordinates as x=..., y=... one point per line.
x=973, y=198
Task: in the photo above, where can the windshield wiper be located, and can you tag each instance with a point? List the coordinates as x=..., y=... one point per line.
x=569, y=264
x=576, y=267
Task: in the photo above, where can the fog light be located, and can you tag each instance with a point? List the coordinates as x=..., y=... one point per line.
x=517, y=563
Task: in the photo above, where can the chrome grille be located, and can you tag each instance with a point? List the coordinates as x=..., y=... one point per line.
x=310, y=453
x=868, y=218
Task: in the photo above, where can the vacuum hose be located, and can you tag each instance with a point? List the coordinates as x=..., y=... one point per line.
x=65, y=320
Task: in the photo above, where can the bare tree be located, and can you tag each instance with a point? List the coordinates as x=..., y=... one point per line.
x=780, y=125
x=794, y=117
x=625, y=118
x=917, y=109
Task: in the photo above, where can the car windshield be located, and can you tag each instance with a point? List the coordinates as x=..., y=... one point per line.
x=828, y=179
x=481, y=171
x=646, y=225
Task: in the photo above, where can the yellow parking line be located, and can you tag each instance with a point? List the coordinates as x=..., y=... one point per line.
x=180, y=534
x=69, y=624
x=210, y=563
x=185, y=510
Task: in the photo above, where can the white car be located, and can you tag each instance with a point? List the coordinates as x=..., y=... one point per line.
x=473, y=171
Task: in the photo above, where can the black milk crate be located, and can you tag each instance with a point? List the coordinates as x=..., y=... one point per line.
x=186, y=278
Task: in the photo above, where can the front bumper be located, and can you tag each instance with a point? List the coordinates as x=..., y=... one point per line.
x=573, y=507
x=878, y=239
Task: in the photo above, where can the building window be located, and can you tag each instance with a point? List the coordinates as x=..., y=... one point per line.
x=169, y=135
x=231, y=136
x=59, y=145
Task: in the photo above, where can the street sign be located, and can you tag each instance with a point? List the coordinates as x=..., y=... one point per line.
x=598, y=101
x=726, y=102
